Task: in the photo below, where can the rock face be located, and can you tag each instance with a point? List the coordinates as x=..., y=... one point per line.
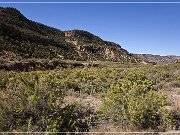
x=157, y=58
x=28, y=39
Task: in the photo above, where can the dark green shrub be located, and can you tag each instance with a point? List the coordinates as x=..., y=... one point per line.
x=3, y=80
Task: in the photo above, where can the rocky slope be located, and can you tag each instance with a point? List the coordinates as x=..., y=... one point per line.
x=157, y=58
x=28, y=39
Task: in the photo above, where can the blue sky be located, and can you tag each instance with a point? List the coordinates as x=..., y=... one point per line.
x=139, y=28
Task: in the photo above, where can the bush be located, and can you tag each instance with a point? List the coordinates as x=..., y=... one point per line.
x=3, y=80
x=133, y=101
x=29, y=104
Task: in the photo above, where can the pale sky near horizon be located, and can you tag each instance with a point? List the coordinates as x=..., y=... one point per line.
x=139, y=28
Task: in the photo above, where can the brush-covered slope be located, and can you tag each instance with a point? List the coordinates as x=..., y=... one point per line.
x=24, y=38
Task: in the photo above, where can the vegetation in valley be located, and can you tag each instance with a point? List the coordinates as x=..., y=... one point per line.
x=133, y=96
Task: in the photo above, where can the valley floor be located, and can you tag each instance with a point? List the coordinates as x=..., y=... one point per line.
x=90, y=97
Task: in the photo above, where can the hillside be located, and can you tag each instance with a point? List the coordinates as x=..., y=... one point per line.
x=23, y=39
x=157, y=58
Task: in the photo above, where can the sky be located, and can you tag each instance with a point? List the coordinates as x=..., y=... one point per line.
x=152, y=28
